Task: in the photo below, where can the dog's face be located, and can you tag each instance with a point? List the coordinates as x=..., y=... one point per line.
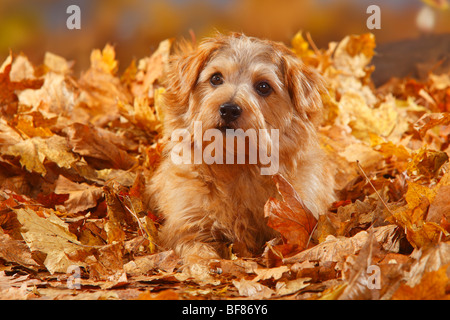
x=240, y=82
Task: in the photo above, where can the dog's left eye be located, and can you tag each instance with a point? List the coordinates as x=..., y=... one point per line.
x=263, y=89
x=216, y=79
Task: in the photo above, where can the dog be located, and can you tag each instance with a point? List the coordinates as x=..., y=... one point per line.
x=231, y=82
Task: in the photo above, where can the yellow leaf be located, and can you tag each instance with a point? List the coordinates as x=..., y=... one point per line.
x=411, y=217
x=427, y=163
x=159, y=105
x=431, y=287
x=25, y=125
x=104, y=60
x=56, y=63
x=51, y=236
x=364, y=44
x=417, y=193
x=300, y=46
x=363, y=120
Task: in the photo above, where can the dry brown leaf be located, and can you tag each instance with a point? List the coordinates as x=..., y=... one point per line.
x=253, y=290
x=431, y=120
x=89, y=141
x=51, y=236
x=360, y=286
x=8, y=89
x=33, y=152
x=428, y=259
x=271, y=273
x=166, y=261
x=336, y=249
x=16, y=251
x=290, y=287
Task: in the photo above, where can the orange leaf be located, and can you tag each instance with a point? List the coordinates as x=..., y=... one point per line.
x=431, y=287
x=290, y=217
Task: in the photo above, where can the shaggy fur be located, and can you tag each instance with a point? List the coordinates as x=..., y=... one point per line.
x=209, y=207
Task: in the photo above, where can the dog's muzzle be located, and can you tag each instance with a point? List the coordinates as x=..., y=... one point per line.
x=229, y=112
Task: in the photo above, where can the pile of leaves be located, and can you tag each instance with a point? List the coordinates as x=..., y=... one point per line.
x=76, y=154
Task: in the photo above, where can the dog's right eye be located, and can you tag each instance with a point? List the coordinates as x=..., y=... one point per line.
x=216, y=79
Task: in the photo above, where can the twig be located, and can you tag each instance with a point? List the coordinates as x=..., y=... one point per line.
x=312, y=44
x=368, y=180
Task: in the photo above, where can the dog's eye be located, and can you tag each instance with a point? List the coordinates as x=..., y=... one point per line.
x=263, y=88
x=216, y=79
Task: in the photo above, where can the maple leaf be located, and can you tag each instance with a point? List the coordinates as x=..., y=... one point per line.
x=336, y=249
x=33, y=152
x=81, y=196
x=412, y=217
x=432, y=286
x=426, y=163
x=8, y=88
x=105, y=60
x=431, y=120
x=92, y=142
x=290, y=217
x=51, y=236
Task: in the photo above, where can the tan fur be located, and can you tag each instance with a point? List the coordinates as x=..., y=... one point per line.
x=208, y=207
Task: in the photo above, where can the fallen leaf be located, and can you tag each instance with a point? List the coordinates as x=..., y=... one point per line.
x=81, y=195
x=292, y=286
x=33, y=152
x=252, y=289
x=361, y=285
x=271, y=273
x=290, y=217
x=51, y=236
x=431, y=287
x=431, y=120
x=15, y=251
x=8, y=89
x=336, y=249
x=91, y=142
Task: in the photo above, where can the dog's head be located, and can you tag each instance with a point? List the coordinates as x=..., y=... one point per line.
x=242, y=82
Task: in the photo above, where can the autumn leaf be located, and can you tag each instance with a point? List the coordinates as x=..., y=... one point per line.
x=252, y=289
x=51, y=236
x=104, y=60
x=15, y=251
x=427, y=163
x=431, y=287
x=8, y=88
x=412, y=217
x=336, y=249
x=91, y=142
x=361, y=286
x=431, y=120
x=290, y=217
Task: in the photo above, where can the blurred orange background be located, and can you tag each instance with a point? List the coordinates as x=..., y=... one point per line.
x=136, y=27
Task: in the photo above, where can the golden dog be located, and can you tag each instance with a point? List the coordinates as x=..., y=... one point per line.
x=234, y=82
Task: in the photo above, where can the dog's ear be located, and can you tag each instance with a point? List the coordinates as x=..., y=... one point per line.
x=184, y=69
x=305, y=86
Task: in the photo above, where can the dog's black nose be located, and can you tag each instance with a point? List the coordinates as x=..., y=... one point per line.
x=229, y=112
